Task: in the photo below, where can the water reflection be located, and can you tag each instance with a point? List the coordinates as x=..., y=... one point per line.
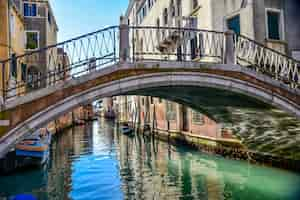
x=97, y=162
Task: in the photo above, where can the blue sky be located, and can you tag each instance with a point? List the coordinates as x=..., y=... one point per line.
x=77, y=17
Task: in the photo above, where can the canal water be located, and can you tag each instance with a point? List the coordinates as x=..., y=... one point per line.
x=96, y=161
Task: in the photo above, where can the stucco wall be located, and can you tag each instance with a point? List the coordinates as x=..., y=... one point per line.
x=4, y=30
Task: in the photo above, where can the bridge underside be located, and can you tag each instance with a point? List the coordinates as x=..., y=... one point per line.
x=260, y=126
x=221, y=91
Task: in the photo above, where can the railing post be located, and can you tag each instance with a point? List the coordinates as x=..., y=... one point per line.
x=124, y=40
x=229, y=56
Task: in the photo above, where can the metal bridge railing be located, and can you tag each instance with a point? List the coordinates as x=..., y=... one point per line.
x=53, y=64
x=87, y=53
x=268, y=61
x=176, y=44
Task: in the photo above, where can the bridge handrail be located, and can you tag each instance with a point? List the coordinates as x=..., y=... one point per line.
x=176, y=28
x=268, y=48
x=280, y=66
x=170, y=42
x=211, y=46
x=60, y=43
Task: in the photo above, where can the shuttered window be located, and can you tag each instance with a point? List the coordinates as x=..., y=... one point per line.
x=273, y=21
x=234, y=24
x=30, y=10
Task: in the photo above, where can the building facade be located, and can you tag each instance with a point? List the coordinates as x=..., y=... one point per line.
x=40, y=31
x=270, y=22
x=26, y=26
x=11, y=42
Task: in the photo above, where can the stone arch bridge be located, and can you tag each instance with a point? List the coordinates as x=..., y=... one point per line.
x=207, y=70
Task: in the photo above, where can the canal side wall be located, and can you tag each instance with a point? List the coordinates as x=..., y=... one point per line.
x=178, y=124
x=226, y=148
x=75, y=117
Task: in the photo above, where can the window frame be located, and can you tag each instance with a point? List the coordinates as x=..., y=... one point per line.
x=281, y=23
x=12, y=25
x=171, y=113
x=201, y=118
x=165, y=16
x=38, y=39
x=232, y=17
x=30, y=5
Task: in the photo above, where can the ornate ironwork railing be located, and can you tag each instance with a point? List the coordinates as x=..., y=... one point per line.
x=87, y=53
x=50, y=65
x=178, y=44
x=268, y=61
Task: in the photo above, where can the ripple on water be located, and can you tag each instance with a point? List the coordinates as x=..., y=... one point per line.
x=97, y=162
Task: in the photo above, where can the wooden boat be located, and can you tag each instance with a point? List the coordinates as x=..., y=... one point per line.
x=34, y=150
x=126, y=129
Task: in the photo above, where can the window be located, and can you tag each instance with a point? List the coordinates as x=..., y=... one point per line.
x=12, y=25
x=32, y=40
x=195, y=4
x=273, y=25
x=172, y=7
x=197, y=118
x=234, y=24
x=49, y=18
x=194, y=48
x=165, y=17
x=178, y=5
x=157, y=30
x=143, y=101
x=150, y=4
x=30, y=10
x=144, y=11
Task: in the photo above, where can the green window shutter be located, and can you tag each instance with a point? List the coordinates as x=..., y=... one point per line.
x=234, y=24
x=273, y=25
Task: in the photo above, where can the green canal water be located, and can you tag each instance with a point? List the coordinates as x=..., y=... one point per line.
x=96, y=161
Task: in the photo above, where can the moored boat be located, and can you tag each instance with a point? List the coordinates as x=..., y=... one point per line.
x=34, y=150
x=126, y=129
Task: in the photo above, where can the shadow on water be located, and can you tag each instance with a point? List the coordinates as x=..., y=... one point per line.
x=96, y=161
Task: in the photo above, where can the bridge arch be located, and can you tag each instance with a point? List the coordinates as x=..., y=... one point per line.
x=140, y=79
